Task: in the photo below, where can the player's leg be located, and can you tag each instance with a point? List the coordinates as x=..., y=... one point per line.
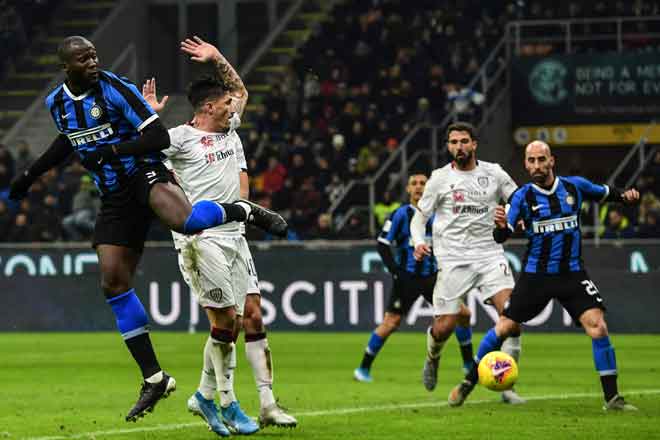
x=390, y=324
x=259, y=356
x=117, y=265
x=391, y=321
x=451, y=285
x=495, y=289
x=463, y=334
x=583, y=302
x=157, y=188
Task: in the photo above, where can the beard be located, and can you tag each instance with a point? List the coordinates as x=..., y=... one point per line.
x=539, y=178
x=464, y=159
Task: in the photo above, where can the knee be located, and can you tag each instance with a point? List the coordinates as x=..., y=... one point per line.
x=114, y=284
x=464, y=316
x=596, y=328
x=506, y=327
x=252, y=319
x=443, y=326
x=391, y=323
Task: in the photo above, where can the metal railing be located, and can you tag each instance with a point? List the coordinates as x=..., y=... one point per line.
x=638, y=157
x=617, y=30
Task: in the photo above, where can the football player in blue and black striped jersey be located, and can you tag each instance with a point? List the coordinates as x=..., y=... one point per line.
x=410, y=279
x=549, y=206
x=105, y=121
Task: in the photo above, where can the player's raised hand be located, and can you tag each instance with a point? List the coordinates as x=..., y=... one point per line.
x=630, y=195
x=421, y=251
x=199, y=50
x=149, y=94
x=500, y=217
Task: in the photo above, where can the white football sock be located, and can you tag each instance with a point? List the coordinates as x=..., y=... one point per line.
x=433, y=347
x=512, y=347
x=226, y=379
x=208, y=384
x=258, y=354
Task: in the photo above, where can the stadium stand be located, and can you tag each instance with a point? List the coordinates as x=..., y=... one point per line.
x=356, y=85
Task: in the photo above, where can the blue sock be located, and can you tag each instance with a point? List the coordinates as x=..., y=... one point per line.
x=205, y=214
x=131, y=317
x=463, y=334
x=604, y=357
x=489, y=343
x=375, y=344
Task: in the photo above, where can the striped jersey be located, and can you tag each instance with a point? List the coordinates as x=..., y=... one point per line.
x=112, y=111
x=552, y=222
x=396, y=232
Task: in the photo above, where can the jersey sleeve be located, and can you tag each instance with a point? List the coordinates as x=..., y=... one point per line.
x=126, y=97
x=426, y=204
x=590, y=190
x=240, y=155
x=176, y=141
x=391, y=228
x=506, y=184
x=514, y=209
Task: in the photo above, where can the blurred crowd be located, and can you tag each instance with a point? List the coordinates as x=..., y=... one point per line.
x=357, y=87
x=21, y=21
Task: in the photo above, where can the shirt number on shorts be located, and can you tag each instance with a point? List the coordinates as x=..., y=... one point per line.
x=591, y=289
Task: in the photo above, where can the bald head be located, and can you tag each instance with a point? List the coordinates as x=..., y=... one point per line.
x=70, y=45
x=540, y=163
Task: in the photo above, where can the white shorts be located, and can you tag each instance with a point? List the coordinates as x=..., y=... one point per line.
x=253, y=278
x=455, y=280
x=216, y=270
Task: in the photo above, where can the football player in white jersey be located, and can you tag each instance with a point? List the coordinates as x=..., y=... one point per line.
x=208, y=158
x=463, y=196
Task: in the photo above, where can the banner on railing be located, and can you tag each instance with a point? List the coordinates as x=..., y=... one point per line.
x=585, y=99
x=326, y=289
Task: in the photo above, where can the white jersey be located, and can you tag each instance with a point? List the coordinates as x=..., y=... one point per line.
x=207, y=167
x=464, y=204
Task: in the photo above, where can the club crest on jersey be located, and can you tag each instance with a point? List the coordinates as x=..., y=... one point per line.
x=570, y=200
x=95, y=112
x=483, y=181
x=458, y=196
x=206, y=141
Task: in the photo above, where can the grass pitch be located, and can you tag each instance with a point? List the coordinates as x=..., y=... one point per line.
x=80, y=386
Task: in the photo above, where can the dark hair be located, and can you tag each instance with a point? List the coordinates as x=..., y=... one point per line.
x=462, y=126
x=204, y=88
x=65, y=47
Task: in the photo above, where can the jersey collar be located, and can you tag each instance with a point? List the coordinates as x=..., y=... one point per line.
x=74, y=97
x=550, y=191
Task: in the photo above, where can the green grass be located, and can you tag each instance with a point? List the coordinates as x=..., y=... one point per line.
x=71, y=385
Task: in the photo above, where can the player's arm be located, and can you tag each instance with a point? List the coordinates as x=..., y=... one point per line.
x=604, y=193
x=244, y=183
x=424, y=211
x=60, y=149
x=203, y=52
x=389, y=234
x=507, y=185
x=506, y=217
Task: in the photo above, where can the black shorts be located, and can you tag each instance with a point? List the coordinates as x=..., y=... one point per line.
x=574, y=290
x=125, y=215
x=406, y=290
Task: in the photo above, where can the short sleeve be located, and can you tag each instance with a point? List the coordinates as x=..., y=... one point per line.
x=514, y=209
x=240, y=154
x=176, y=141
x=391, y=228
x=590, y=190
x=126, y=97
x=506, y=184
x=426, y=204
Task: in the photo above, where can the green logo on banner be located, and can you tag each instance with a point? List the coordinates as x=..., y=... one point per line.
x=546, y=82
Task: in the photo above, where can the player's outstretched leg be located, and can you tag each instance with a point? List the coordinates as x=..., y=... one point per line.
x=391, y=322
x=259, y=356
x=265, y=219
x=512, y=347
x=202, y=403
x=593, y=322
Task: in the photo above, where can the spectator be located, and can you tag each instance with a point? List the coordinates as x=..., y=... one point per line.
x=21, y=231
x=6, y=167
x=79, y=225
x=649, y=227
x=5, y=220
x=47, y=223
x=273, y=176
x=24, y=156
x=385, y=207
x=355, y=229
x=618, y=225
x=323, y=229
